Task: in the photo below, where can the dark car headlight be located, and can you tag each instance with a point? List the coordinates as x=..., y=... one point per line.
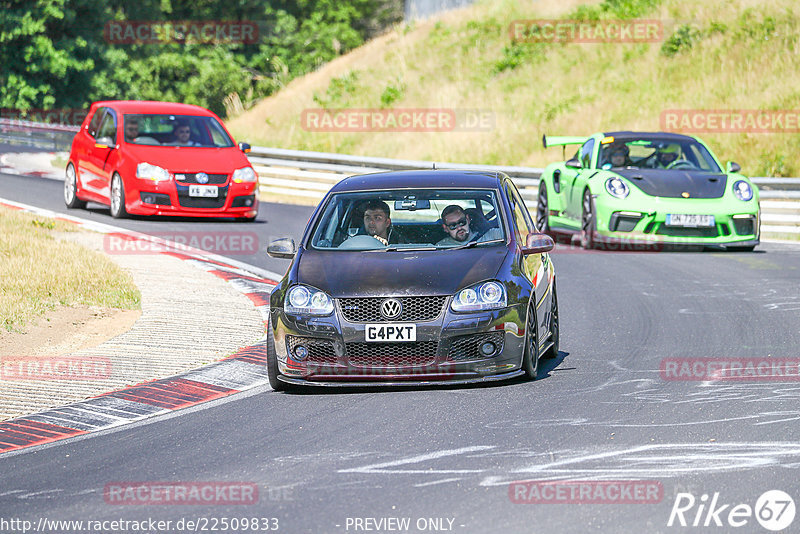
x=617, y=188
x=742, y=190
x=483, y=296
x=308, y=301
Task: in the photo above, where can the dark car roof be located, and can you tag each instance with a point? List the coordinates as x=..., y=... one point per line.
x=149, y=106
x=421, y=179
x=649, y=135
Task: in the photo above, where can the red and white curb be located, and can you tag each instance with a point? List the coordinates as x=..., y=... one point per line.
x=246, y=369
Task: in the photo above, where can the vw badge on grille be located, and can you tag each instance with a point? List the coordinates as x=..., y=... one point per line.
x=202, y=178
x=391, y=308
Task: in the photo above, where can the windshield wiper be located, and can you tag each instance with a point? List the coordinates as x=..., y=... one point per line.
x=395, y=248
x=476, y=243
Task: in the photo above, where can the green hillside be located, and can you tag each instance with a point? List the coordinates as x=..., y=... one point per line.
x=714, y=55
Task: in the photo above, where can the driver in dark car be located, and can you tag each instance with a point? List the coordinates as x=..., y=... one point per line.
x=378, y=224
x=456, y=223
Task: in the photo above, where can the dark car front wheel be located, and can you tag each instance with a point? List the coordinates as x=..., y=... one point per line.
x=117, y=197
x=272, y=362
x=530, y=358
x=71, y=189
x=552, y=352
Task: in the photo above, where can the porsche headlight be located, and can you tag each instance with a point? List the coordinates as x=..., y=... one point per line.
x=308, y=301
x=152, y=172
x=617, y=188
x=483, y=296
x=245, y=174
x=742, y=190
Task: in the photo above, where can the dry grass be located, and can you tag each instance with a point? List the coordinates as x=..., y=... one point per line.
x=39, y=272
x=744, y=58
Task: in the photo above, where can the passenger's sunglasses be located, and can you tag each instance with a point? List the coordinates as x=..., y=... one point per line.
x=460, y=222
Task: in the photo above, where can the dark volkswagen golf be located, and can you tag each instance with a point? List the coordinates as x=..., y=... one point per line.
x=414, y=277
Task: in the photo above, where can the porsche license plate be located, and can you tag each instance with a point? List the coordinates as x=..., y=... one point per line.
x=692, y=221
x=203, y=191
x=391, y=332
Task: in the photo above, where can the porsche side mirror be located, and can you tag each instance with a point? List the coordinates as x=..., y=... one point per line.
x=537, y=243
x=244, y=147
x=734, y=167
x=282, y=248
x=573, y=163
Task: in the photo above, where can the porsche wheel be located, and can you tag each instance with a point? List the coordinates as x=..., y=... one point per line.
x=118, y=198
x=588, y=221
x=542, y=219
x=71, y=189
x=530, y=357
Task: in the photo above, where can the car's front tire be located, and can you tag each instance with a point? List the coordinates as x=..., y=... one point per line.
x=588, y=223
x=552, y=352
x=272, y=361
x=71, y=189
x=530, y=356
x=117, y=199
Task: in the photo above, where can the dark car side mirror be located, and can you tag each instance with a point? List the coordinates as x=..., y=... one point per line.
x=244, y=147
x=573, y=163
x=734, y=167
x=282, y=248
x=537, y=243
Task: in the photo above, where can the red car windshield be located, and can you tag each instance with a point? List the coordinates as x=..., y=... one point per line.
x=175, y=130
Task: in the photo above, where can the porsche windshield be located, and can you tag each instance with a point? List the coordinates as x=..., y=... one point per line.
x=404, y=219
x=175, y=130
x=654, y=153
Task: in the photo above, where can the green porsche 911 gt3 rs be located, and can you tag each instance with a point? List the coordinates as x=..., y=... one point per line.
x=622, y=189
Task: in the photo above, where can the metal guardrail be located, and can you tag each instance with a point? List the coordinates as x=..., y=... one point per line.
x=27, y=133
x=303, y=175
x=298, y=175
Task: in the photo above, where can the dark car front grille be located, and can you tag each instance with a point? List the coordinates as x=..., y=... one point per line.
x=320, y=351
x=367, y=310
x=466, y=348
x=191, y=178
x=201, y=202
x=417, y=354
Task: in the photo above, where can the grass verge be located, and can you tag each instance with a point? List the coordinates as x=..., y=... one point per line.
x=39, y=272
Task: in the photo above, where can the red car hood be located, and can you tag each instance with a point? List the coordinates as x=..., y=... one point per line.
x=190, y=159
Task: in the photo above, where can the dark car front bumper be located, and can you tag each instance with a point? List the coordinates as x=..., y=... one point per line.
x=447, y=349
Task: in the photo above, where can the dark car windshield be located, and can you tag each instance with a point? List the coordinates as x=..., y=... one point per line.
x=405, y=219
x=174, y=130
x=656, y=153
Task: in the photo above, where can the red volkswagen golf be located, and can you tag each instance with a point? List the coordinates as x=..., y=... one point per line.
x=159, y=158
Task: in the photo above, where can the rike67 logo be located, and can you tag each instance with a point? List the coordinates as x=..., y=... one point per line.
x=774, y=510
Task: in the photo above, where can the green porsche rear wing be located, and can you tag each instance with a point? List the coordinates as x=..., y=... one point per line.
x=562, y=140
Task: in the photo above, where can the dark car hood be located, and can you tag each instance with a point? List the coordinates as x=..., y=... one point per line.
x=434, y=272
x=674, y=183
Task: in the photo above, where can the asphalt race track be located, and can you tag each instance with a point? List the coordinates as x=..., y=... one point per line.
x=444, y=457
